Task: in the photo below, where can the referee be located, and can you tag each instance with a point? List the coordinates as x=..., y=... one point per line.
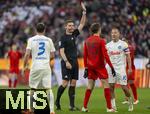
x=69, y=63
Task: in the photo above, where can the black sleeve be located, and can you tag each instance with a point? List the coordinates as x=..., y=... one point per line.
x=62, y=43
x=76, y=33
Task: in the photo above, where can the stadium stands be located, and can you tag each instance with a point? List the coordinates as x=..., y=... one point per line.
x=18, y=17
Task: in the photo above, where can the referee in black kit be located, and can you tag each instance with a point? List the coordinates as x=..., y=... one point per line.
x=69, y=63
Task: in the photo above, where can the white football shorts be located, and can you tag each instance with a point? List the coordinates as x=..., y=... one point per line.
x=121, y=76
x=40, y=79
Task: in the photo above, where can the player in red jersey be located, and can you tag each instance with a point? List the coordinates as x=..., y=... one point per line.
x=131, y=76
x=95, y=55
x=14, y=56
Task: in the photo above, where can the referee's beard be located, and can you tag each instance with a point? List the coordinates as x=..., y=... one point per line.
x=69, y=31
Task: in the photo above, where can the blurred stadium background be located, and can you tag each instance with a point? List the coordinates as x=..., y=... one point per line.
x=18, y=17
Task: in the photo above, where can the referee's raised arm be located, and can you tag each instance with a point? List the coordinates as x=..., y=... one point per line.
x=83, y=18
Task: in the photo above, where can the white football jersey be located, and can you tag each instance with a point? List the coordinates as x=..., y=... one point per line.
x=40, y=47
x=116, y=52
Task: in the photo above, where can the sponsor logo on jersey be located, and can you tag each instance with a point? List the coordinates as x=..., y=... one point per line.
x=125, y=77
x=115, y=52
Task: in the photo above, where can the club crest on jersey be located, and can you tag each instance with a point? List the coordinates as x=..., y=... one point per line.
x=119, y=47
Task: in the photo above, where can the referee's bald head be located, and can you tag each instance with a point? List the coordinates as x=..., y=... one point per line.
x=40, y=27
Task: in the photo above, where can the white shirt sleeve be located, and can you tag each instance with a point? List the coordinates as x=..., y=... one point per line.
x=29, y=44
x=52, y=48
x=126, y=48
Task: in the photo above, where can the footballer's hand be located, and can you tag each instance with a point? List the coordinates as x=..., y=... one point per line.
x=129, y=71
x=83, y=6
x=68, y=65
x=85, y=73
x=113, y=72
x=23, y=71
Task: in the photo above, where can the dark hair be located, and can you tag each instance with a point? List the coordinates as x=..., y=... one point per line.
x=40, y=27
x=69, y=21
x=94, y=28
x=115, y=27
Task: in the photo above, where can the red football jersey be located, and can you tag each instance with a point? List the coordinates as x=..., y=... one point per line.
x=95, y=53
x=14, y=57
x=132, y=53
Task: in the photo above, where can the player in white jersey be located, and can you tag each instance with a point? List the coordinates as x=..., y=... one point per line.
x=42, y=50
x=118, y=52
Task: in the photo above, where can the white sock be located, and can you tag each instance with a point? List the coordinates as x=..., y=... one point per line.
x=113, y=103
x=50, y=97
x=130, y=100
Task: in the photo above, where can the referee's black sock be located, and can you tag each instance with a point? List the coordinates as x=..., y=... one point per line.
x=71, y=93
x=59, y=93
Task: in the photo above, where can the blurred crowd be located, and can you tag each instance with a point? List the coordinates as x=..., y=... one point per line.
x=18, y=18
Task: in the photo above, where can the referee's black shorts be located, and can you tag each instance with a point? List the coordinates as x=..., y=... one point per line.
x=69, y=74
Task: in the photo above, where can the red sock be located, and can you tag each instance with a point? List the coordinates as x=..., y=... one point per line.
x=134, y=91
x=87, y=97
x=15, y=83
x=9, y=83
x=107, y=97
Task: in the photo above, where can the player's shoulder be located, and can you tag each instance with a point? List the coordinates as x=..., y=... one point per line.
x=102, y=41
x=109, y=43
x=123, y=43
x=32, y=38
x=48, y=38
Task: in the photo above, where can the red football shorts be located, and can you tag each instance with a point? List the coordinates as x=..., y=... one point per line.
x=132, y=75
x=97, y=73
x=14, y=70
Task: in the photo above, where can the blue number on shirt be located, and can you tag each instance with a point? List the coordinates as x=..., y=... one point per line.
x=124, y=77
x=41, y=48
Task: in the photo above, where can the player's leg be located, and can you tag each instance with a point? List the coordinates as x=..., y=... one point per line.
x=107, y=94
x=62, y=87
x=134, y=91
x=46, y=82
x=31, y=108
x=103, y=75
x=15, y=80
x=73, y=73
x=71, y=93
x=60, y=91
x=50, y=97
x=112, y=90
x=128, y=96
x=133, y=86
x=34, y=81
x=90, y=87
x=10, y=80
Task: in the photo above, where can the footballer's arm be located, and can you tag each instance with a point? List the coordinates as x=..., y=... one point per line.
x=129, y=63
x=106, y=56
x=85, y=55
x=52, y=56
x=83, y=18
x=62, y=53
x=7, y=61
x=26, y=58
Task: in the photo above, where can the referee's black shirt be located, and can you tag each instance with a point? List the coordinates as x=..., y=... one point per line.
x=68, y=43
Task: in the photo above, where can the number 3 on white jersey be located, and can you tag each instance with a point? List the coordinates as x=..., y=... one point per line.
x=41, y=48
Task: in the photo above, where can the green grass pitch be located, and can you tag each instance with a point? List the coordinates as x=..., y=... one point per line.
x=97, y=101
